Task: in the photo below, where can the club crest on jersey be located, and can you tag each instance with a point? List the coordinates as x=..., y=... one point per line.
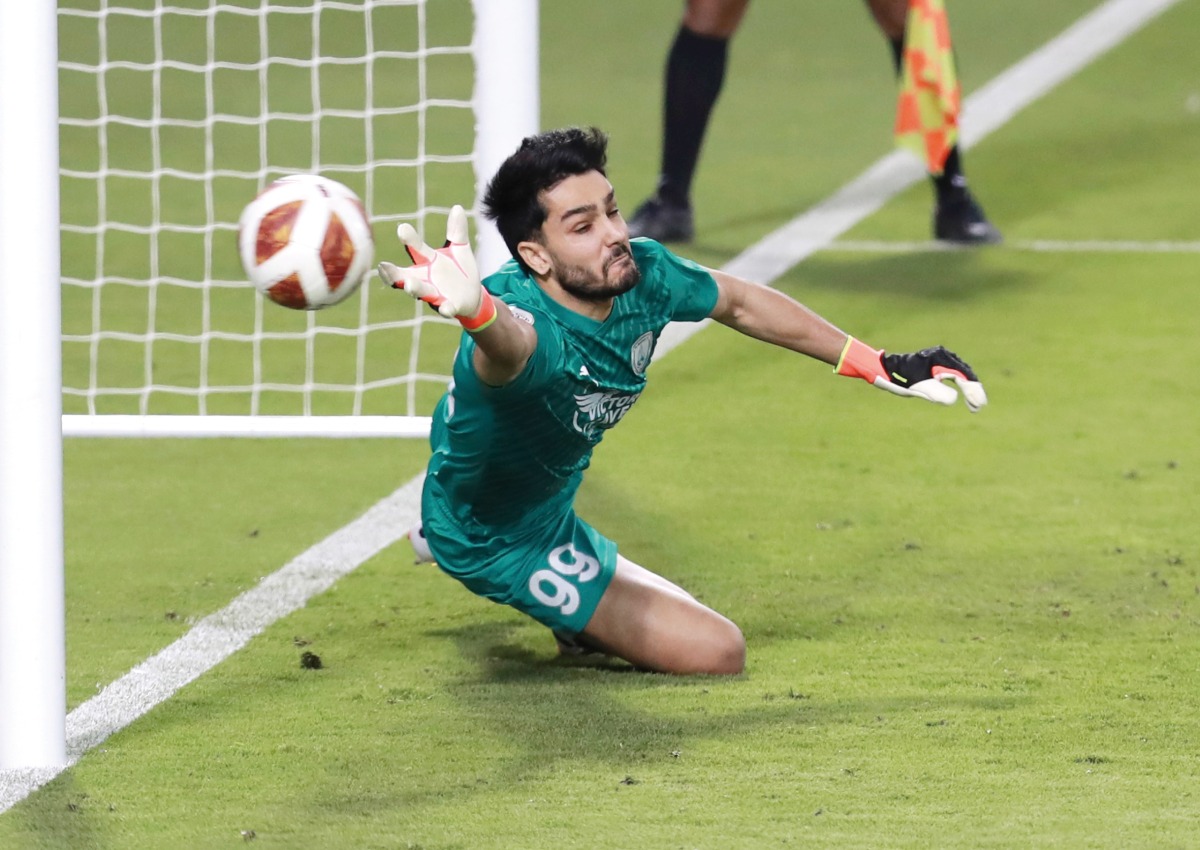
x=601, y=410
x=639, y=355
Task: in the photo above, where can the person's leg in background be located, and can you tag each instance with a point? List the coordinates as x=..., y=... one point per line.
x=695, y=74
x=957, y=216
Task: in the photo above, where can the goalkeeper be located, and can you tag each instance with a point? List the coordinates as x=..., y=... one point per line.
x=554, y=354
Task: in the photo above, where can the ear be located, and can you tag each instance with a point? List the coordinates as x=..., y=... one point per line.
x=535, y=255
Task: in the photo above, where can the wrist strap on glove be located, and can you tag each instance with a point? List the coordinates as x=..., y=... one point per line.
x=859, y=360
x=485, y=316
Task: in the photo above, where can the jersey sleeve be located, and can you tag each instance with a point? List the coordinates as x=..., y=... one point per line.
x=544, y=363
x=690, y=290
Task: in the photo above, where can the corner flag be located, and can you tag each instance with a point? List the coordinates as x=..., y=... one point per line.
x=930, y=97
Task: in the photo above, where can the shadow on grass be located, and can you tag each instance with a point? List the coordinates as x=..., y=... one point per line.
x=960, y=276
x=556, y=715
x=60, y=816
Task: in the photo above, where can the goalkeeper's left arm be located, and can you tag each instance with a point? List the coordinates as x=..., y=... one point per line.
x=767, y=314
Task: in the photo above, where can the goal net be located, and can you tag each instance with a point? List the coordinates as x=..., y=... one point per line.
x=173, y=115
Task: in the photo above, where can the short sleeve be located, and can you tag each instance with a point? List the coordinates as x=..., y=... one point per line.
x=544, y=363
x=690, y=288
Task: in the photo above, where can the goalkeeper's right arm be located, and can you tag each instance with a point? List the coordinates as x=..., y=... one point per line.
x=770, y=315
x=448, y=280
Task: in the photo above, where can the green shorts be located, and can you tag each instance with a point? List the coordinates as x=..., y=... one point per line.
x=555, y=572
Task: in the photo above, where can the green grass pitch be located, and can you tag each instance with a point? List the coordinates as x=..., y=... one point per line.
x=964, y=631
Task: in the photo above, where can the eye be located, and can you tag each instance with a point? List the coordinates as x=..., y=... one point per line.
x=583, y=228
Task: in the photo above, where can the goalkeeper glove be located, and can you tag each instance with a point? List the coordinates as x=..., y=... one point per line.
x=920, y=374
x=446, y=278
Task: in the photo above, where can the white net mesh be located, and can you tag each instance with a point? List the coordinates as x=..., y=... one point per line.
x=173, y=116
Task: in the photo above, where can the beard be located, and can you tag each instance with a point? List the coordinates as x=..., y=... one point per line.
x=586, y=285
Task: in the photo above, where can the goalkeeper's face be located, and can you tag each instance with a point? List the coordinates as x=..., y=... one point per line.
x=585, y=239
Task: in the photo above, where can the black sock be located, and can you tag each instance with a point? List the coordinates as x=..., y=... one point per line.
x=897, y=45
x=951, y=184
x=695, y=73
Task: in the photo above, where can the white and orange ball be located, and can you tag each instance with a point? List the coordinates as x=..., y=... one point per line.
x=305, y=242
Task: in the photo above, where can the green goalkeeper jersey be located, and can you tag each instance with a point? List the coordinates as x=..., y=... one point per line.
x=510, y=455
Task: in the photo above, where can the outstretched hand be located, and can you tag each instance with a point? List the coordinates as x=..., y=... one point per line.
x=446, y=278
x=920, y=374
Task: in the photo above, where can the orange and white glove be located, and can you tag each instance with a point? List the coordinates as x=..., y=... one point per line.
x=446, y=278
x=919, y=375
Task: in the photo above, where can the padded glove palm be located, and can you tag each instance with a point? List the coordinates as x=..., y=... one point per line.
x=446, y=278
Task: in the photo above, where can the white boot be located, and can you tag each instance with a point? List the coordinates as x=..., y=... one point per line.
x=416, y=536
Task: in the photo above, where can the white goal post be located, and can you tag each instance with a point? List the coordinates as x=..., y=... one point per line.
x=125, y=160
x=32, y=639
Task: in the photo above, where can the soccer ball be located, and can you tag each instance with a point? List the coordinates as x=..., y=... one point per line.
x=305, y=242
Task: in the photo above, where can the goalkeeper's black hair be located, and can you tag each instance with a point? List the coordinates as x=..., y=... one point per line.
x=543, y=161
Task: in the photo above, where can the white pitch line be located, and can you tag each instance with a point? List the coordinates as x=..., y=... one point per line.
x=219, y=635
x=1041, y=246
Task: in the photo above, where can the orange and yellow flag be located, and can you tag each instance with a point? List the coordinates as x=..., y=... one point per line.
x=927, y=111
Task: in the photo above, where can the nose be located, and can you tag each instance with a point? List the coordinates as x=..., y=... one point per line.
x=618, y=230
